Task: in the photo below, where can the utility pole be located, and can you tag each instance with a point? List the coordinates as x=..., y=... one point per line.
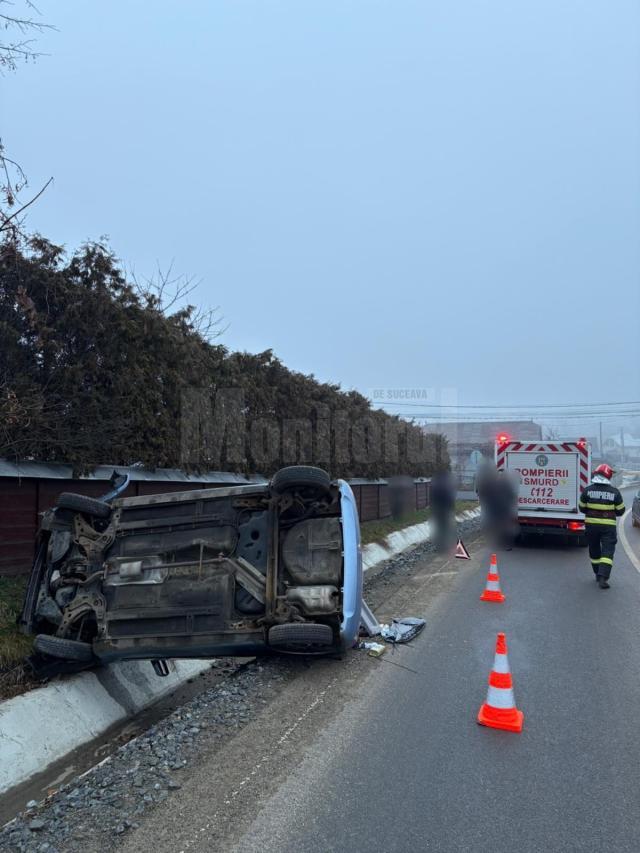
x=601, y=448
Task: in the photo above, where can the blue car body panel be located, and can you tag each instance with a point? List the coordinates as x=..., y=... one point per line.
x=352, y=563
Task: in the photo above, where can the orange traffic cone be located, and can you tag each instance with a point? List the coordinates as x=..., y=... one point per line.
x=499, y=711
x=492, y=591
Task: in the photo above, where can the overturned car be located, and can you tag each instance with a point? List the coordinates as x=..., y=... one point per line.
x=240, y=571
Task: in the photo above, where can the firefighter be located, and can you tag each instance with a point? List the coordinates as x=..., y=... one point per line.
x=601, y=503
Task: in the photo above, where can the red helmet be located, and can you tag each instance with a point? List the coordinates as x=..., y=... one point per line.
x=606, y=471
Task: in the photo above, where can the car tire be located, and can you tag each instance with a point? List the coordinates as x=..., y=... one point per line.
x=301, y=477
x=83, y=504
x=60, y=647
x=301, y=637
x=634, y=523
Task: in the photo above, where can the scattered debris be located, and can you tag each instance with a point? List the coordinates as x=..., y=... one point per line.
x=402, y=630
x=374, y=649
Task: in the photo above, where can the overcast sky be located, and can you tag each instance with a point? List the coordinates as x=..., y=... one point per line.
x=429, y=194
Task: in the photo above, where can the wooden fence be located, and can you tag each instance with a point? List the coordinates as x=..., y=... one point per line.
x=24, y=498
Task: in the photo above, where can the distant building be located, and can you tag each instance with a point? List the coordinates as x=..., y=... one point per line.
x=624, y=449
x=471, y=441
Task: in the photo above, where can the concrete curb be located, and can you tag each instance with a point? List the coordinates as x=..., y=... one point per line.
x=401, y=540
x=44, y=725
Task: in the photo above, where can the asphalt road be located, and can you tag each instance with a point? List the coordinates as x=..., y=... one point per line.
x=404, y=766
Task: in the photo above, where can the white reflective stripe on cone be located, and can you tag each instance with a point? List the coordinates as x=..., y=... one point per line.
x=501, y=663
x=501, y=697
x=493, y=586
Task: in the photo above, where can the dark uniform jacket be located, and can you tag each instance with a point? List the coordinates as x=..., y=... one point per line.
x=601, y=503
x=442, y=496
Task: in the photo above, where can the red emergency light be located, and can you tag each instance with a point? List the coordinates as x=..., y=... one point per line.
x=575, y=525
x=503, y=438
x=582, y=442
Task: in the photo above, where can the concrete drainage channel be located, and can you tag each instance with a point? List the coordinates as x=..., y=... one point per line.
x=58, y=731
x=46, y=776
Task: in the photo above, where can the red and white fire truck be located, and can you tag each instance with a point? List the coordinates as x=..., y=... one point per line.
x=552, y=476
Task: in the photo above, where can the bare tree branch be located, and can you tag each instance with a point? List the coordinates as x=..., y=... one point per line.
x=168, y=293
x=12, y=52
x=12, y=177
x=5, y=222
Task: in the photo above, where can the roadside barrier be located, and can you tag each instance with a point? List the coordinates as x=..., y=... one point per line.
x=499, y=711
x=492, y=591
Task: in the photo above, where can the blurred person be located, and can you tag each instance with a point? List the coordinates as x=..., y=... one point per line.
x=486, y=490
x=483, y=480
x=443, y=502
x=602, y=504
x=506, y=508
x=498, y=495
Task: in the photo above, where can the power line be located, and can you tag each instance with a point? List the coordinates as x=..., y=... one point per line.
x=513, y=415
x=519, y=418
x=537, y=406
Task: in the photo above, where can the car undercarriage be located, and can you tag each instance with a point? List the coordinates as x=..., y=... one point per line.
x=237, y=571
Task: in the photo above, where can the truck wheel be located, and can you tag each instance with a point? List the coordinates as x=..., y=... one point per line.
x=83, y=504
x=301, y=637
x=59, y=647
x=301, y=477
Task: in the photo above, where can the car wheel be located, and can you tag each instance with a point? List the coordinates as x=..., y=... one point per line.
x=301, y=477
x=301, y=637
x=634, y=522
x=81, y=503
x=59, y=647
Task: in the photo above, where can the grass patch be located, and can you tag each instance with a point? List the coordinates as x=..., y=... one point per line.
x=463, y=506
x=13, y=645
x=375, y=531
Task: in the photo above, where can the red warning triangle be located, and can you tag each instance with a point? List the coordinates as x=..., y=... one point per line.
x=461, y=551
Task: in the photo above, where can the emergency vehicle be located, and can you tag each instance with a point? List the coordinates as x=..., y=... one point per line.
x=552, y=476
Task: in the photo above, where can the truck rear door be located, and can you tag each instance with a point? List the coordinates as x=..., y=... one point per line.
x=551, y=475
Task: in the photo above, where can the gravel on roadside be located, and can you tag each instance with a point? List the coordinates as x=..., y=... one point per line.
x=111, y=797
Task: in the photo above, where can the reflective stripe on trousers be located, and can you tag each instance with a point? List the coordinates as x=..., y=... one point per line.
x=602, y=545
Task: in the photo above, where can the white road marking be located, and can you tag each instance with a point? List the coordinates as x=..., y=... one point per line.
x=635, y=562
x=319, y=699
